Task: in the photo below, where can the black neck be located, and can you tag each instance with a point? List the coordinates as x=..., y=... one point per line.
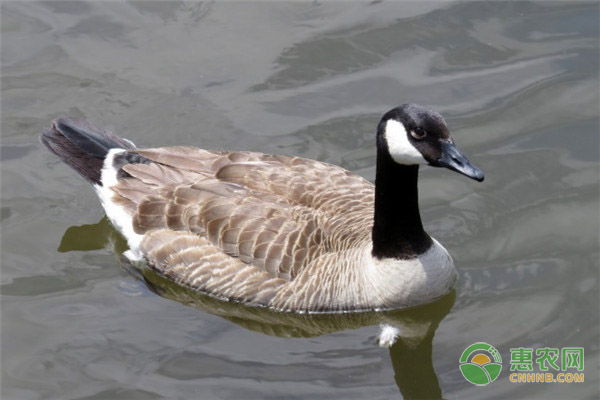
x=397, y=229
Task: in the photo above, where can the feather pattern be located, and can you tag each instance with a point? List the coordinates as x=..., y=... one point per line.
x=282, y=232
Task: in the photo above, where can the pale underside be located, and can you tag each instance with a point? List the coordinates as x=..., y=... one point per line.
x=283, y=232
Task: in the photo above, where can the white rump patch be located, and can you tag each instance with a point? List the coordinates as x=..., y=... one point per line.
x=117, y=214
x=401, y=150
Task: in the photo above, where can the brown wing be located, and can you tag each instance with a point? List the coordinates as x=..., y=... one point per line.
x=193, y=261
x=241, y=216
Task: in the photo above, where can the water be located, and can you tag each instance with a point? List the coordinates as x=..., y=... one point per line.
x=517, y=83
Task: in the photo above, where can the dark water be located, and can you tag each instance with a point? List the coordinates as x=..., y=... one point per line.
x=517, y=83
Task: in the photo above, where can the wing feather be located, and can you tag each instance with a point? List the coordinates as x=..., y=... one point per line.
x=241, y=224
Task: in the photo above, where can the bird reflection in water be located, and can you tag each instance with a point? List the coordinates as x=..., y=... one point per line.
x=411, y=352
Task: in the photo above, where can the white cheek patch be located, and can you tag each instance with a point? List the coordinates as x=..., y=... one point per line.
x=401, y=150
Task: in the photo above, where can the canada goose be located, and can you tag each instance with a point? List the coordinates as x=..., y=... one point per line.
x=287, y=233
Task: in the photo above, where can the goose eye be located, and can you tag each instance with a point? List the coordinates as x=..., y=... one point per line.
x=418, y=133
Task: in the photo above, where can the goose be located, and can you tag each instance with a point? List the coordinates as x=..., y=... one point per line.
x=287, y=233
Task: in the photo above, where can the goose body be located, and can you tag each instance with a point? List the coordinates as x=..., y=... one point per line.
x=287, y=233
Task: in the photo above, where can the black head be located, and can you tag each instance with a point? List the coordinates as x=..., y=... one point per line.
x=413, y=135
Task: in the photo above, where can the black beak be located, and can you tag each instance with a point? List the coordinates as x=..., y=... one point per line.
x=453, y=159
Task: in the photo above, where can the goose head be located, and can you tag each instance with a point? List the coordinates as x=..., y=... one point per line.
x=415, y=135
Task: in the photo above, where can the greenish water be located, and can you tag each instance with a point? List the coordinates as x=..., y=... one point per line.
x=517, y=83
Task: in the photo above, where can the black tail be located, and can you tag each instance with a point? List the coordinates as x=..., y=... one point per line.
x=81, y=146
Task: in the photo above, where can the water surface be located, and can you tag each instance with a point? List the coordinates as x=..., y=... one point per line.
x=517, y=83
